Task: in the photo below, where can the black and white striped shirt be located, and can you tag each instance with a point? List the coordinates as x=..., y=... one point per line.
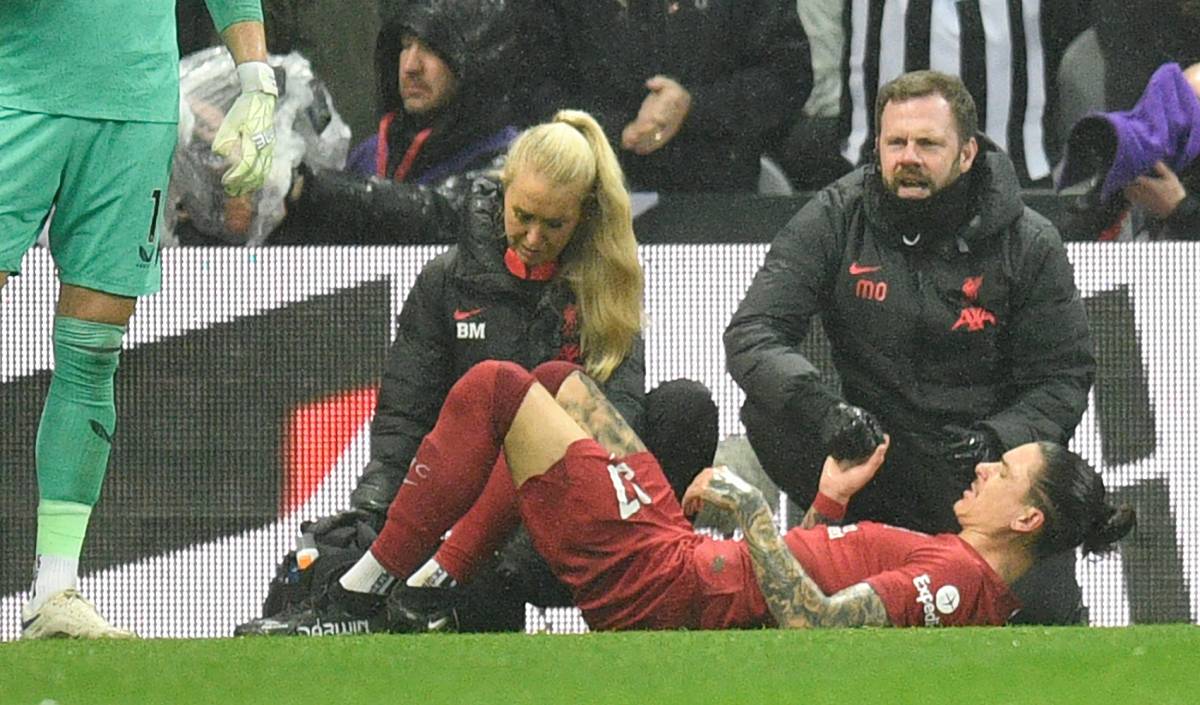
x=995, y=46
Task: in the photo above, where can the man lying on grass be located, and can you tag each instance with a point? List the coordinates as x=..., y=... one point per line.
x=599, y=509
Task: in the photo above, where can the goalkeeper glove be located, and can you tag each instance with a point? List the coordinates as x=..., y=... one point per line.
x=850, y=433
x=247, y=135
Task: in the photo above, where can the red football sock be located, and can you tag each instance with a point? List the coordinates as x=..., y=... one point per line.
x=451, y=466
x=493, y=518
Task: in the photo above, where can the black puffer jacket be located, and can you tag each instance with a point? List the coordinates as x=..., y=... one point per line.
x=746, y=63
x=466, y=307
x=986, y=327
x=468, y=137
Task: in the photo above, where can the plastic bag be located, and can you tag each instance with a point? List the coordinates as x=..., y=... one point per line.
x=307, y=129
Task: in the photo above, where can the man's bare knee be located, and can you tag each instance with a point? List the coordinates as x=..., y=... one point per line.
x=96, y=306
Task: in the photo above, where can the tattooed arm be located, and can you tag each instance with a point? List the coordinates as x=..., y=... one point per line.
x=795, y=600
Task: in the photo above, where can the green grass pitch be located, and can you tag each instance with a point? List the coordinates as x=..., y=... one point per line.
x=1023, y=666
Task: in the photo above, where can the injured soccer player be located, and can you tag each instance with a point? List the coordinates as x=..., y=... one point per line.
x=547, y=449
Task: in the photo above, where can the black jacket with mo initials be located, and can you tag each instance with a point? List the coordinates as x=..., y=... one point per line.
x=985, y=328
x=466, y=307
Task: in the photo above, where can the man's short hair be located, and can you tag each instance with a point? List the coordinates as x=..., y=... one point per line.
x=918, y=84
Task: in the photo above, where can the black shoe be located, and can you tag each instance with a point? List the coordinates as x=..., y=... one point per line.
x=334, y=612
x=416, y=610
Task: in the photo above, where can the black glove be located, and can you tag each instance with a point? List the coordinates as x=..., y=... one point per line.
x=967, y=447
x=850, y=433
x=377, y=487
x=351, y=528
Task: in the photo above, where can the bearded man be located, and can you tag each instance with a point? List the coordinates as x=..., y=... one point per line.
x=954, y=321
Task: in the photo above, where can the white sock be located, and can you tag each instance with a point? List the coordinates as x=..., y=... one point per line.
x=367, y=575
x=432, y=574
x=53, y=574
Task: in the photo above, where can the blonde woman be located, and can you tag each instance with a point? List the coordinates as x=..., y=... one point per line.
x=545, y=268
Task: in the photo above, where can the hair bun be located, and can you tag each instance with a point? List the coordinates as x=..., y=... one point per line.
x=1108, y=527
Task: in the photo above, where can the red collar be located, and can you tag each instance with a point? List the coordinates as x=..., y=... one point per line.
x=539, y=273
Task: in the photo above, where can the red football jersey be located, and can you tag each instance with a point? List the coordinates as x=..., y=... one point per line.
x=923, y=580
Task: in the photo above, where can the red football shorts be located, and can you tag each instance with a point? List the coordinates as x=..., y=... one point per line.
x=613, y=532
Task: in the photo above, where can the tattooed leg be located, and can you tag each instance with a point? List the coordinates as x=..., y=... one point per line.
x=586, y=404
x=793, y=597
x=545, y=426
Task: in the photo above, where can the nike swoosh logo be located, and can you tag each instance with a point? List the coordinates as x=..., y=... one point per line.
x=435, y=624
x=857, y=269
x=461, y=315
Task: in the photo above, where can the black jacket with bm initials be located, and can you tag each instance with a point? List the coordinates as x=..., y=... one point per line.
x=466, y=307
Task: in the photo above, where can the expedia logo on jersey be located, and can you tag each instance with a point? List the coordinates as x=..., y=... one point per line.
x=356, y=626
x=925, y=599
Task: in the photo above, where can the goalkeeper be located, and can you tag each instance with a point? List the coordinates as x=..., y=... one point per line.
x=89, y=101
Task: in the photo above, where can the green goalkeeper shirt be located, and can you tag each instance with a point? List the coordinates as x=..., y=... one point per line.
x=101, y=59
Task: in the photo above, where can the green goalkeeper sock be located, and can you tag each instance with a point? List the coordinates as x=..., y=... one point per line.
x=78, y=421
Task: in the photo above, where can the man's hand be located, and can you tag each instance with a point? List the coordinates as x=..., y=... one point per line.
x=842, y=479
x=1160, y=193
x=722, y=488
x=660, y=118
x=247, y=135
x=850, y=433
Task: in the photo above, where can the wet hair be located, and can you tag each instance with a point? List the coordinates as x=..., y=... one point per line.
x=600, y=261
x=1071, y=495
x=918, y=84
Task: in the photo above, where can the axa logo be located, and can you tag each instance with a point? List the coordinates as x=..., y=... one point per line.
x=926, y=600
x=974, y=318
x=470, y=330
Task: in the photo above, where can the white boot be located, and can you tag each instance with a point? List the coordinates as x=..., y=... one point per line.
x=68, y=614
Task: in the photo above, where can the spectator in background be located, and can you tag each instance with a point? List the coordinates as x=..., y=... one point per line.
x=444, y=67
x=545, y=268
x=953, y=316
x=1141, y=164
x=1138, y=37
x=691, y=92
x=1007, y=54
x=811, y=154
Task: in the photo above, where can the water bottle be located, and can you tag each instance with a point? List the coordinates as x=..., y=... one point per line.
x=306, y=551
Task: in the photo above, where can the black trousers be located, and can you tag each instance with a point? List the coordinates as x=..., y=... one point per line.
x=914, y=489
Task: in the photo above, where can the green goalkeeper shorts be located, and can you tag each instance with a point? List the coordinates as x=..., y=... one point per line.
x=103, y=186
